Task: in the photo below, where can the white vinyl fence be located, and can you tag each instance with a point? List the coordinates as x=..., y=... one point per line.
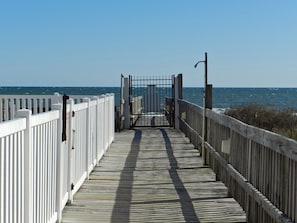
x=40, y=173
x=10, y=104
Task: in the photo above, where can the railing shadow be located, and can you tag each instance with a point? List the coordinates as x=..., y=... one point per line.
x=187, y=207
x=121, y=208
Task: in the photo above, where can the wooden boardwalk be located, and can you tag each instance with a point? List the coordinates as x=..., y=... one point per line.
x=152, y=175
x=152, y=120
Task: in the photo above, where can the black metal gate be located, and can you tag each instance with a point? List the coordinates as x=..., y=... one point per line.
x=151, y=101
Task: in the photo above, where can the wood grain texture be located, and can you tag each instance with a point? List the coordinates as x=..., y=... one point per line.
x=152, y=175
x=260, y=170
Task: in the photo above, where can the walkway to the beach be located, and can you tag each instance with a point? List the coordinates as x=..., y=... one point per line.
x=152, y=175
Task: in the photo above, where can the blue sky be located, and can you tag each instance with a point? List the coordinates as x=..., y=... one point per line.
x=91, y=42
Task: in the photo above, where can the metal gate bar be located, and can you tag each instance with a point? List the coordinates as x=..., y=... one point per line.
x=154, y=91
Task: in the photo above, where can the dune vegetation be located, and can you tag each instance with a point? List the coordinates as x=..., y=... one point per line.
x=283, y=122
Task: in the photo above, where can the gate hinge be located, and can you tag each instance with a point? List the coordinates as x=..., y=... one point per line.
x=73, y=147
x=72, y=186
x=73, y=113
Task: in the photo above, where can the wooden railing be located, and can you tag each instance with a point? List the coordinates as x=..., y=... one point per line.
x=258, y=167
x=39, y=171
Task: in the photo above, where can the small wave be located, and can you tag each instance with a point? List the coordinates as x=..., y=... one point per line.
x=219, y=110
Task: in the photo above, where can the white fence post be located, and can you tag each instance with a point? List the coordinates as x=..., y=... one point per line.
x=6, y=110
x=12, y=110
x=59, y=163
x=70, y=152
x=28, y=167
x=97, y=128
x=106, y=124
x=107, y=118
x=56, y=99
x=102, y=124
x=112, y=118
x=88, y=149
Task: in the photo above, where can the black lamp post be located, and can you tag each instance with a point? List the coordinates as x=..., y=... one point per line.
x=207, y=103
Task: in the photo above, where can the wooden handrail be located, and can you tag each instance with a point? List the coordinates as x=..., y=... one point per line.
x=259, y=168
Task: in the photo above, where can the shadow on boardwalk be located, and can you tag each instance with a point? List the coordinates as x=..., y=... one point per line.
x=184, y=197
x=126, y=182
x=152, y=175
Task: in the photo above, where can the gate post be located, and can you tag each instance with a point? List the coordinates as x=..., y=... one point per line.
x=177, y=95
x=126, y=98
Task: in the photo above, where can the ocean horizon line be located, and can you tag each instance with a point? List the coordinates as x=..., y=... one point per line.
x=74, y=86
x=223, y=97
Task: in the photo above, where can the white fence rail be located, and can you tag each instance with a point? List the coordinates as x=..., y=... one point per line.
x=10, y=104
x=38, y=172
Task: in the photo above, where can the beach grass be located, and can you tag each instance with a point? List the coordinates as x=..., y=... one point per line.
x=283, y=121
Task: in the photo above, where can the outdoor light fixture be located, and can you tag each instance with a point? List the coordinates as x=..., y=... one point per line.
x=201, y=61
x=204, y=108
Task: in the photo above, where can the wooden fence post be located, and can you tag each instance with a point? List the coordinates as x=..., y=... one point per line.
x=126, y=98
x=178, y=94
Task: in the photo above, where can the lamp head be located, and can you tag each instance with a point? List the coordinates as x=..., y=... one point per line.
x=201, y=61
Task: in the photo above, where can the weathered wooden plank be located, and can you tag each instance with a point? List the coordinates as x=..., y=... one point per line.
x=274, y=141
x=152, y=175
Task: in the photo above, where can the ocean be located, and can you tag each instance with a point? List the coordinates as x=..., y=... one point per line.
x=278, y=98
